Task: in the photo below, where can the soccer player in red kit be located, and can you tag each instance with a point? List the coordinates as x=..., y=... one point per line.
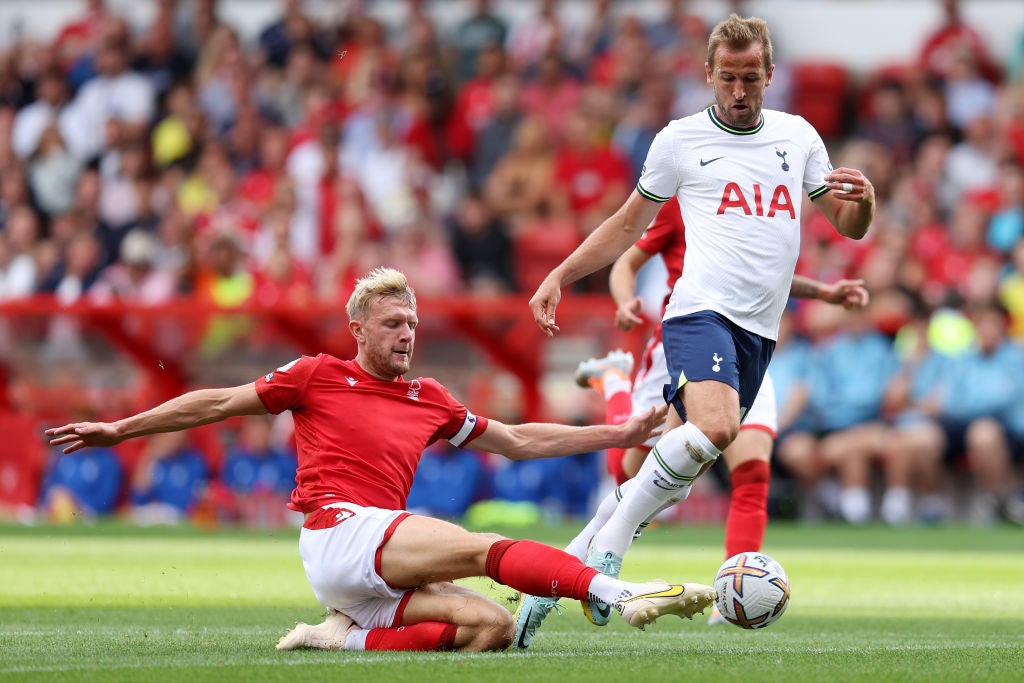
x=385, y=575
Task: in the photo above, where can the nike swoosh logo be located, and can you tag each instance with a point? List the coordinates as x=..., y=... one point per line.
x=522, y=634
x=710, y=161
x=604, y=612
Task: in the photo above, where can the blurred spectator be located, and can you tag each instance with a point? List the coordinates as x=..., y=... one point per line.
x=268, y=183
x=136, y=277
x=482, y=248
x=595, y=39
x=538, y=36
x=1007, y=224
x=292, y=28
x=954, y=37
x=392, y=176
x=968, y=94
x=551, y=93
x=115, y=93
x=427, y=258
x=888, y=122
x=494, y=138
x=254, y=464
x=177, y=136
x=35, y=117
x=221, y=78
x=846, y=379
x=437, y=131
x=481, y=31
x=158, y=55
x=223, y=279
x=75, y=270
x=81, y=485
x=962, y=405
x=523, y=181
x=18, y=268
x=168, y=480
x=77, y=41
x=125, y=192
x=53, y=173
x=477, y=98
x=595, y=176
x=366, y=64
x=278, y=277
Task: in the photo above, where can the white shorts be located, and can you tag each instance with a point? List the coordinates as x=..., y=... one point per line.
x=343, y=566
x=652, y=376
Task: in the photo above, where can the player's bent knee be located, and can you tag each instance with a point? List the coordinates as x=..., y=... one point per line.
x=721, y=434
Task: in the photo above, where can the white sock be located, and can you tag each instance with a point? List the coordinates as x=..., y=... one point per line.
x=356, y=639
x=855, y=504
x=608, y=590
x=666, y=475
x=578, y=546
x=896, y=506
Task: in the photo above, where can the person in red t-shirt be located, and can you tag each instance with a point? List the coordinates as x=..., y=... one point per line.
x=385, y=575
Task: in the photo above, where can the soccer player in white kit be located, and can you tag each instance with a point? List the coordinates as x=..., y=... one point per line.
x=738, y=171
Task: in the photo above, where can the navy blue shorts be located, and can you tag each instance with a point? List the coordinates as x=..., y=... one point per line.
x=707, y=345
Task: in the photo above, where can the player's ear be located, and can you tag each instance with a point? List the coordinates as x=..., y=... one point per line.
x=768, y=80
x=709, y=72
x=356, y=328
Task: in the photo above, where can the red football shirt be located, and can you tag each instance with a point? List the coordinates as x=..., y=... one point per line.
x=359, y=439
x=666, y=235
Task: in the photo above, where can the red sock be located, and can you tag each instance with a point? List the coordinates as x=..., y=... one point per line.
x=617, y=409
x=538, y=569
x=424, y=636
x=748, y=508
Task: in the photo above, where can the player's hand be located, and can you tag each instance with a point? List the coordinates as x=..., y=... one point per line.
x=850, y=185
x=79, y=435
x=641, y=427
x=627, y=316
x=543, y=304
x=849, y=294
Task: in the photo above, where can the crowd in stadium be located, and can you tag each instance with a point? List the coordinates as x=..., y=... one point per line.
x=140, y=165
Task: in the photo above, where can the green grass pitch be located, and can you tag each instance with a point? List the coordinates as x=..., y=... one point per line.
x=116, y=603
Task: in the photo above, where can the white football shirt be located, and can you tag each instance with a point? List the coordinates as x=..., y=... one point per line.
x=740, y=193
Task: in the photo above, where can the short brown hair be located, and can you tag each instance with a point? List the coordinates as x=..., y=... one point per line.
x=379, y=283
x=737, y=33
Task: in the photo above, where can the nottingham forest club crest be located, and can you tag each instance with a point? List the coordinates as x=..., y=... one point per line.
x=414, y=390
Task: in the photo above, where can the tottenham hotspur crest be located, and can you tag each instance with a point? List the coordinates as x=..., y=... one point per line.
x=717, y=367
x=782, y=155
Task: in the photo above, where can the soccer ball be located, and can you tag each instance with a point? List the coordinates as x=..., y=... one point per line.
x=753, y=590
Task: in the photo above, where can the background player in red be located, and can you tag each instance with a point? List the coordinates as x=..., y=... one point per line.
x=385, y=575
x=747, y=457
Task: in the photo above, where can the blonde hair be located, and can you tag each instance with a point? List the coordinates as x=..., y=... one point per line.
x=379, y=283
x=737, y=33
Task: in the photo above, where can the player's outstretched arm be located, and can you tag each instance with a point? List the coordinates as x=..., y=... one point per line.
x=600, y=248
x=849, y=294
x=548, y=440
x=850, y=206
x=193, y=409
